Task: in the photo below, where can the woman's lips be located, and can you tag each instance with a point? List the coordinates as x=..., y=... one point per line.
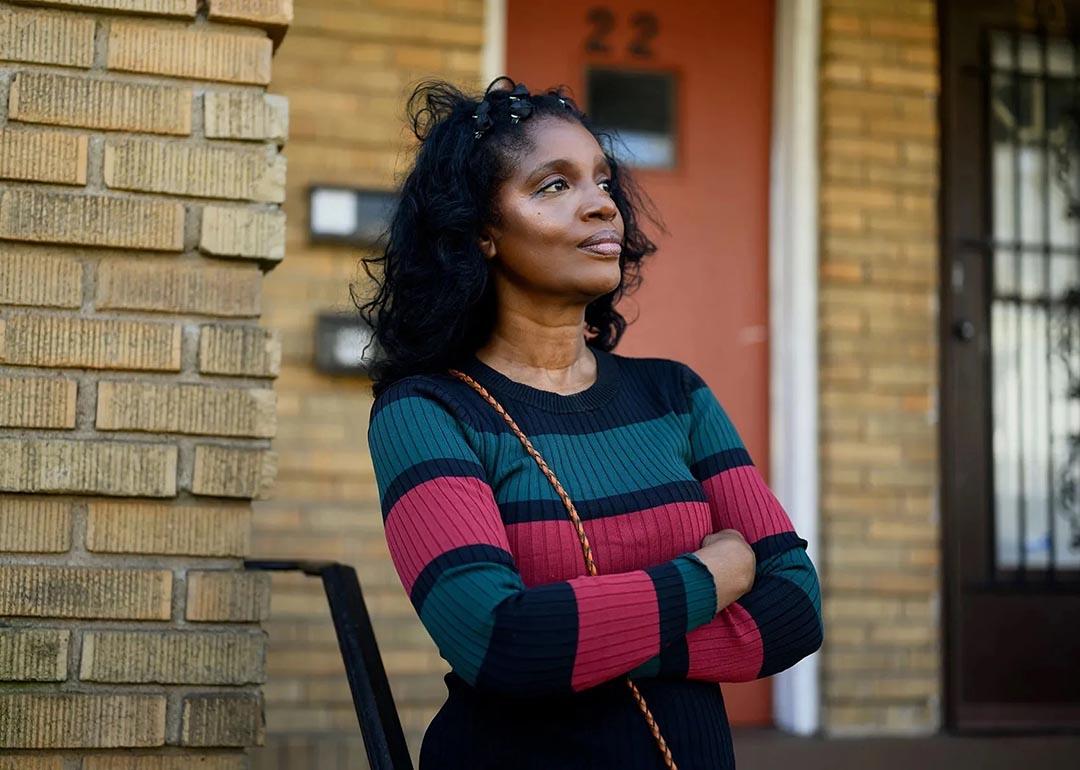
x=603, y=243
x=604, y=249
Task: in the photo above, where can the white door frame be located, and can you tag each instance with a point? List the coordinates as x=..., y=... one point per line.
x=493, y=53
x=793, y=280
x=793, y=260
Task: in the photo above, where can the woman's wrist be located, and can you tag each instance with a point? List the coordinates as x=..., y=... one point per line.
x=731, y=579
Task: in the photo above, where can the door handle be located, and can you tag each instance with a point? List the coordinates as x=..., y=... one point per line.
x=963, y=330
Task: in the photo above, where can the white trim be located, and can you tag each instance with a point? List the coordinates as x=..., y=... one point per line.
x=793, y=260
x=494, y=50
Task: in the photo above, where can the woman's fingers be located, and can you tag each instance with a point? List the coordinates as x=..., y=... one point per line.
x=714, y=536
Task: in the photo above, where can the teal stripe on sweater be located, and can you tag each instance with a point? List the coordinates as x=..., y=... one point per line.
x=460, y=612
x=711, y=430
x=700, y=590
x=594, y=465
x=794, y=565
x=651, y=667
x=437, y=436
x=601, y=476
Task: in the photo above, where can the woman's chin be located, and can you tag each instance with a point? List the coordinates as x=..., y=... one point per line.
x=606, y=282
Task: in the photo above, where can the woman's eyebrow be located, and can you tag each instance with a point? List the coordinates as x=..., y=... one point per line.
x=601, y=163
x=545, y=168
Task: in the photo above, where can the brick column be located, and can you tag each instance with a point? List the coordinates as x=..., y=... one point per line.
x=878, y=346
x=140, y=189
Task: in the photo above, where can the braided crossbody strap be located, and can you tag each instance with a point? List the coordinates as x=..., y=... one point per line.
x=590, y=564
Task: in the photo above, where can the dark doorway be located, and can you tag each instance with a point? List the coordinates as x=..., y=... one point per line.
x=1010, y=348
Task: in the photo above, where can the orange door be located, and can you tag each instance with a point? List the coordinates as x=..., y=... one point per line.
x=704, y=298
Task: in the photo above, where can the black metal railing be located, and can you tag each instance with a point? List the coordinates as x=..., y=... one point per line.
x=380, y=726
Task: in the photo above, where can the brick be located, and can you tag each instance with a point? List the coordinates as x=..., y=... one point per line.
x=245, y=115
x=222, y=720
x=162, y=285
x=923, y=80
x=263, y=13
x=30, y=275
x=335, y=164
x=43, y=156
x=361, y=119
x=389, y=28
x=842, y=72
x=243, y=232
x=84, y=592
x=91, y=220
x=863, y=453
x=186, y=761
x=907, y=582
x=32, y=762
x=193, y=169
x=139, y=527
x=246, y=351
x=45, y=37
x=34, y=525
x=232, y=472
x=172, y=657
x=92, y=343
x=186, y=408
x=37, y=402
x=863, y=196
x=113, y=105
x=88, y=467
x=148, y=7
x=33, y=654
x=228, y=596
x=884, y=27
x=874, y=661
x=202, y=52
x=877, y=688
x=81, y=720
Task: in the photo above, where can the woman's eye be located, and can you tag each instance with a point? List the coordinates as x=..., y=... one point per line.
x=550, y=185
x=606, y=185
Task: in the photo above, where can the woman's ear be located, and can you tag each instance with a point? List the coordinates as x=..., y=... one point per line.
x=487, y=244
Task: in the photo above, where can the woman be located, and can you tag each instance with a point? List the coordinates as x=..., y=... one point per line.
x=515, y=236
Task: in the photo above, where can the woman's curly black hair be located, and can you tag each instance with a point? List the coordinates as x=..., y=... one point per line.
x=434, y=302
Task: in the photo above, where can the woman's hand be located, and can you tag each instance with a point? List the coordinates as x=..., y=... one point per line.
x=732, y=563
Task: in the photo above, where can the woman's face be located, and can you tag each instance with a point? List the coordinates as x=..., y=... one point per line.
x=559, y=232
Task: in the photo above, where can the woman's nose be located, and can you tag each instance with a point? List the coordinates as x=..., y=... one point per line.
x=600, y=206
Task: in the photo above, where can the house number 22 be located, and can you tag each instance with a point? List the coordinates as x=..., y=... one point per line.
x=602, y=21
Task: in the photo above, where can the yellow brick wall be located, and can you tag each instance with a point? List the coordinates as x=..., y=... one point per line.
x=136, y=390
x=878, y=353
x=346, y=69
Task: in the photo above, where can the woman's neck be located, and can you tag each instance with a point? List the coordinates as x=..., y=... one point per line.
x=564, y=366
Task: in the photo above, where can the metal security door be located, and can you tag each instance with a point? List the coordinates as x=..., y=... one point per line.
x=1011, y=363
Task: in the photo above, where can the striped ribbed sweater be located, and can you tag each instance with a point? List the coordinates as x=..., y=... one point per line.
x=489, y=558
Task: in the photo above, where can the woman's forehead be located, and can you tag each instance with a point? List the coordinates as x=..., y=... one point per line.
x=555, y=139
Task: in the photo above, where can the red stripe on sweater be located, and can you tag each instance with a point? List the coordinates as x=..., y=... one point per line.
x=437, y=516
x=742, y=501
x=607, y=636
x=547, y=551
x=728, y=648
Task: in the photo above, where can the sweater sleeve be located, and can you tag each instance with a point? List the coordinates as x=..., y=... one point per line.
x=450, y=550
x=778, y=622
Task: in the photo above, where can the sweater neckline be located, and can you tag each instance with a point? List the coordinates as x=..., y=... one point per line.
x=595, y=395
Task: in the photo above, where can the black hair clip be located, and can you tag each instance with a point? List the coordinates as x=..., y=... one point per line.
x=520, y=108
x=482, y=116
